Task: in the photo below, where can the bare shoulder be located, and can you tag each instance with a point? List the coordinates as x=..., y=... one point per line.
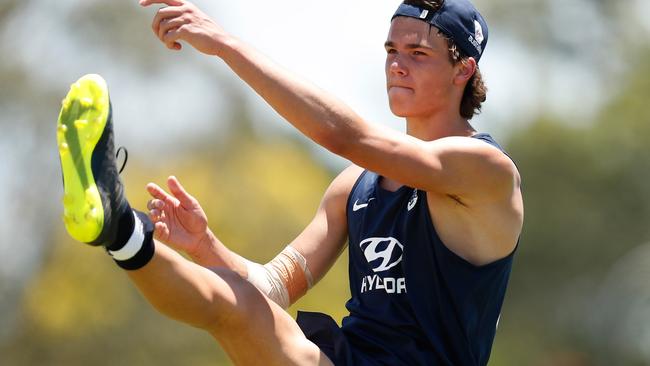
x=480, y=169
x=474, y=150
x=342, y=185
x=480, y=219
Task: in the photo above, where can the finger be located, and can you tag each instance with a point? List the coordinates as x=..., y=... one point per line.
x=155, y=215
x=169, y=24
x=156, y=192
x=171, y=37
x=162, y=15
x=155, y=203
x=154, y=219
x=175, y=187
x=166, y=2
x=161, y=232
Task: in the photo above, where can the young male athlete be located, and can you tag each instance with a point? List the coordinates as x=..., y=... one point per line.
x=432, y=216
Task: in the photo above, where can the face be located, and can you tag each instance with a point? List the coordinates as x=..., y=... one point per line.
x=420, y=79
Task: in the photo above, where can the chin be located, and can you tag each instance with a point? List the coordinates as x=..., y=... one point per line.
x=398, y=106
x=401, y=109
x=399, y=113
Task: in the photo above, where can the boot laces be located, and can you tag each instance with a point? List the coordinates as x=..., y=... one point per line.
x=126, y=157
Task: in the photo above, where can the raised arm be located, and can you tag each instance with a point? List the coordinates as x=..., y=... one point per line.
x=455, y=166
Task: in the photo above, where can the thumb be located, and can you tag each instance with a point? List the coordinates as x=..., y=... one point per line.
x=186, y=200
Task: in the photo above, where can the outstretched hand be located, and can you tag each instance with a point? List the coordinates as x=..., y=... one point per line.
x=181, y=20
x=178, y=217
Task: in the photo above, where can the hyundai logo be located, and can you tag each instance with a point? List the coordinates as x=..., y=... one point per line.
x=389, y=250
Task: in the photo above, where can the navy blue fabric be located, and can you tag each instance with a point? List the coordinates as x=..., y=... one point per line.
x=324, y=332
x=458, y=20
x=413, y=301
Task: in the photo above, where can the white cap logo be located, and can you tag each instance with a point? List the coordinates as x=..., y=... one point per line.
x=478, y=34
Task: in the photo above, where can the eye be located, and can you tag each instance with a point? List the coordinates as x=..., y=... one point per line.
x=419, y=53
x=390, y=51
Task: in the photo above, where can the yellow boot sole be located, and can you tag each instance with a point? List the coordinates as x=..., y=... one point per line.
x=82, y=120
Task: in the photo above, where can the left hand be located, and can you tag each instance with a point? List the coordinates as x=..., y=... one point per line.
x=181, y=20
x=179, y=219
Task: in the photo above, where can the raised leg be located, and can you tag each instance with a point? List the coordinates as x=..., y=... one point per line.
x=252, y=329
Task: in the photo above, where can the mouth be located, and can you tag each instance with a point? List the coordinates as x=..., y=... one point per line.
x=399, y=87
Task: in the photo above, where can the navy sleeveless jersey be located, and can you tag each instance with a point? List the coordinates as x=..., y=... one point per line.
x=414, y=301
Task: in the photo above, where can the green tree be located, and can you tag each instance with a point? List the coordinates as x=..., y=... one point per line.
x=587, y=205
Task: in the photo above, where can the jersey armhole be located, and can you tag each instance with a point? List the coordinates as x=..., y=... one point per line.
x=354, y=187
x=457, y=257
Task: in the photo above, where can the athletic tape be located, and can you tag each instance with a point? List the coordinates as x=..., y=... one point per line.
x=284, y=279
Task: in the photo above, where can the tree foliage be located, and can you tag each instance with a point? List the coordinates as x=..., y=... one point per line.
x=587, y=205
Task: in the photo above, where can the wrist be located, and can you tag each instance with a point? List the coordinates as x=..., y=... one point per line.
x=223, y=44
x=227, y=46
x=203, y=246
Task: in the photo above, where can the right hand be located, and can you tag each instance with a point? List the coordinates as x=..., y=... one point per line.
x=181, y=20
x=179, y=220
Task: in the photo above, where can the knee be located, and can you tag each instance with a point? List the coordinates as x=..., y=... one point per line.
x=244, y=304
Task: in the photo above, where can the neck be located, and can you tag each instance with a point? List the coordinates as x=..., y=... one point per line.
x=438, y=126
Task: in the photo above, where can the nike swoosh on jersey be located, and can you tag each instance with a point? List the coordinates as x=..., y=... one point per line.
x=356, y=207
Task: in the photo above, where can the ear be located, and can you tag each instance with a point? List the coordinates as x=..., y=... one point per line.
x=465, y=70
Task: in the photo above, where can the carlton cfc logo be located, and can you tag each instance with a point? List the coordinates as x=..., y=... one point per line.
x=382, y=253
x=478, y=32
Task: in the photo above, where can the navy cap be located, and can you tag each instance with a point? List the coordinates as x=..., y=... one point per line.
x=458, y=20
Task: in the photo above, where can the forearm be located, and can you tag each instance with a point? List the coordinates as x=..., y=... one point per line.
x=316, y=113
x=284, y=279
x=211, y=252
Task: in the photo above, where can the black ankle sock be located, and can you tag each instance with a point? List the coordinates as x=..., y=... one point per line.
x=126, y=223
x=145, y=252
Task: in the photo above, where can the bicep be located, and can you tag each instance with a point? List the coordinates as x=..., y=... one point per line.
x=450, y=166
x=324, y=238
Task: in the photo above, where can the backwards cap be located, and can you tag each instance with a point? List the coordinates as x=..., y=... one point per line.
x=458, y=20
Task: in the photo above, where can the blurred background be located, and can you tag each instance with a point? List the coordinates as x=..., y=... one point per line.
x=569, y=97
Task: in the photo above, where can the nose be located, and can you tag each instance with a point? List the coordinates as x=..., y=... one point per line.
x=396, y=66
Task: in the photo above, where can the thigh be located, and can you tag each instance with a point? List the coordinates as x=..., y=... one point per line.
x=259, y=332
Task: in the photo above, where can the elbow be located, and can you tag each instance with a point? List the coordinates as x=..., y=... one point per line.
x=329, y=139
x=339, y=141
x=336, y=145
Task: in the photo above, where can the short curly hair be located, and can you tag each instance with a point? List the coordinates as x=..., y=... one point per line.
x=475, y=91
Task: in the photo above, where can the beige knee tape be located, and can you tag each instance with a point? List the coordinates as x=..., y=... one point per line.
x=284, y=279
